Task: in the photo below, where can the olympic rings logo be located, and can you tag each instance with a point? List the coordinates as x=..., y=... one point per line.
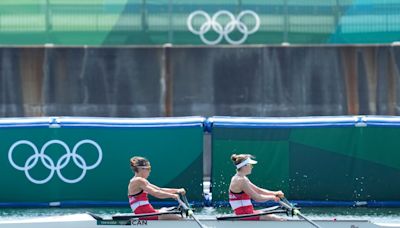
x=223, y=29
x=62, y=162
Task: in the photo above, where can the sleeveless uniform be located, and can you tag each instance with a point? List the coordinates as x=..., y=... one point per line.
x=140, y=205
x=241, y=204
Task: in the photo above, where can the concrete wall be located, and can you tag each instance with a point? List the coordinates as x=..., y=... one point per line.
x=212, y=81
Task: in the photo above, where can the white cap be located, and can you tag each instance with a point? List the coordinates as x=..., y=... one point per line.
x=245, y=162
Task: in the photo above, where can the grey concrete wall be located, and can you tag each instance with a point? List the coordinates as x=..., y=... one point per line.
x=207, y=81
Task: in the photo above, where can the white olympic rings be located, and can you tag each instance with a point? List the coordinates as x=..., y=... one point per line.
x=49, y=163
x=223, y=31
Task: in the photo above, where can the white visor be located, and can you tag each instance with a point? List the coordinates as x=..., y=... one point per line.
x=245, y=162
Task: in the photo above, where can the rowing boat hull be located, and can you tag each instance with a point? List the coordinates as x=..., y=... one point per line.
x=255, y=224
x=86, y=221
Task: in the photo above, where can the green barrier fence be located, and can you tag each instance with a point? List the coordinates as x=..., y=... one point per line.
x=144, y=22
x=86, y=160
x=319, y=159
x=78, y=159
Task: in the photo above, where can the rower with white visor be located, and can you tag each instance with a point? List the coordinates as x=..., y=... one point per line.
x=242, y=190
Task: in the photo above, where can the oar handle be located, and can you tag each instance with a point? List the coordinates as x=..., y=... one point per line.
x=186, y=208
x=184, y=198
x=190, y=213
x=285, y=203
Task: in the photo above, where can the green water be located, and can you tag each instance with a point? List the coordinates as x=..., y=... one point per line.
x=391, y=215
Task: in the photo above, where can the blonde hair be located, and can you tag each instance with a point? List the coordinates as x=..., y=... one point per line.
x=138, y=161
x=238, y=158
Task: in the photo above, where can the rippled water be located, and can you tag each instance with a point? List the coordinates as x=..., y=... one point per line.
x=373, y=214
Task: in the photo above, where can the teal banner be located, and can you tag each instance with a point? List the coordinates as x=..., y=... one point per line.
x=183, y=22
x=75, y=159
x=315, y=158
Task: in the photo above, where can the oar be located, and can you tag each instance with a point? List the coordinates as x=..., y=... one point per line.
x=190, y=212
x=185, y=200
x=285, y=203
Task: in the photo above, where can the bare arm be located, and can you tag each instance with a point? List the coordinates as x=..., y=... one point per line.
x=155, y=191
x=170, y=190
x=266, y=191
x=248, y=188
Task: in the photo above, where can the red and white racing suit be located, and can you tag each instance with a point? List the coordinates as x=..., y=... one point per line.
x=241, y=204
x=140, y=205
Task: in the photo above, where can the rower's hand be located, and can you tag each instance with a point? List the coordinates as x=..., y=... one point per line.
x=181, y=191
x=279, y=194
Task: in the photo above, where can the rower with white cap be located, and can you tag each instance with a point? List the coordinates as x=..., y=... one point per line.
x=242, y=190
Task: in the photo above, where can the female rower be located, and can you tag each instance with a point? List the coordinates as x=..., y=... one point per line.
x=139, y=187
x=242, y=191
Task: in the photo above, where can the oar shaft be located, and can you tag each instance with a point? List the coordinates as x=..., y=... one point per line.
x=183, y=204
x=285, y=203
x=190, y=213
x=308, y=220
x=185, y=200
x=198, y=222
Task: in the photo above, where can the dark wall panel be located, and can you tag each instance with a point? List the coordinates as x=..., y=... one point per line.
x=184, y=81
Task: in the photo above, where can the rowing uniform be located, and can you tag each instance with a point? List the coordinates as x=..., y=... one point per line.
x=140, y=205
x=241, y=204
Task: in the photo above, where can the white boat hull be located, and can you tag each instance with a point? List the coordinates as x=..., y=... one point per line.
x=257, y=224
x=86, y=221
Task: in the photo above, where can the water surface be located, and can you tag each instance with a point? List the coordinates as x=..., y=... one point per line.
x=390, y=215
